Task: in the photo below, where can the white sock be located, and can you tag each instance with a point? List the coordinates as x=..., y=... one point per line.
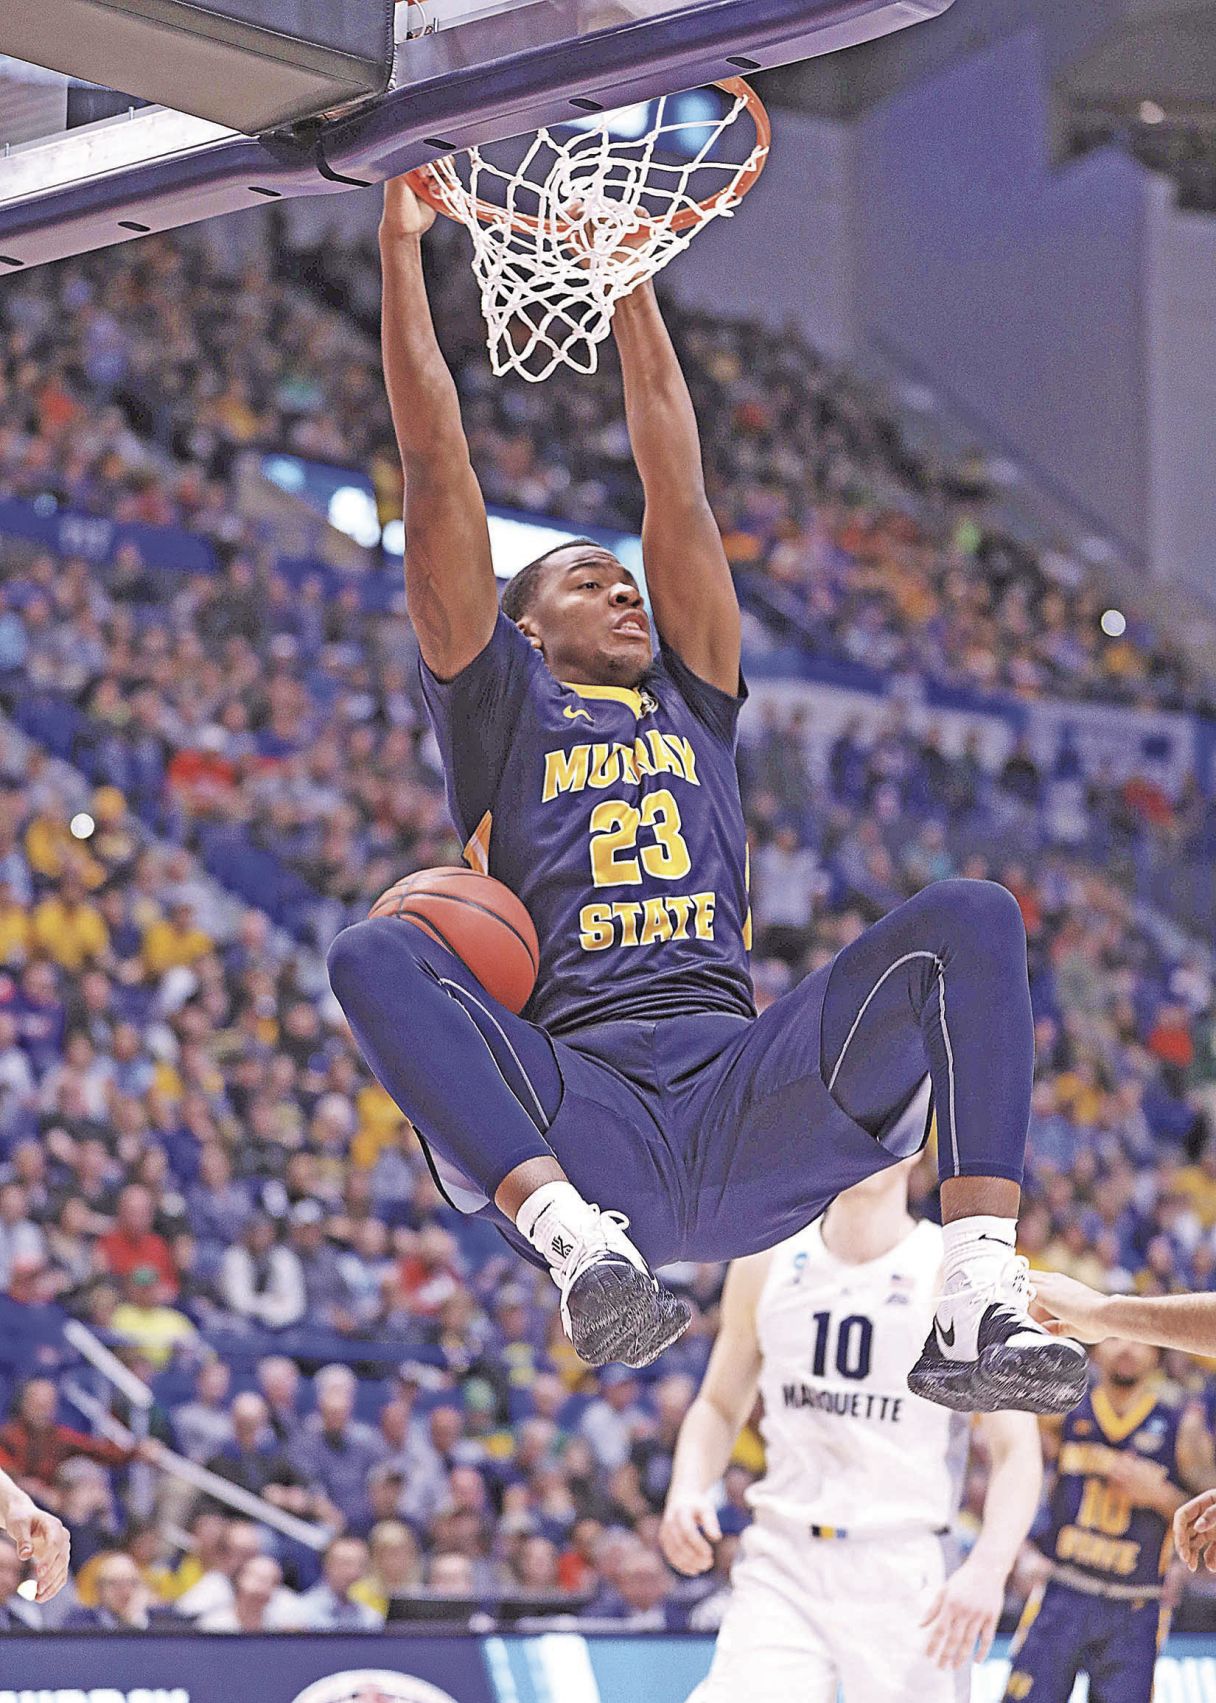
x=975, y=1247
x=552, y=1218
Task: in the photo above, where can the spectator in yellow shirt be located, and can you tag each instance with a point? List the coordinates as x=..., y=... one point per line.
x=51, y=850
x=142, y=1317
x=1080, y=1095
x=395, y=1566
x=113, y=844
x=15, y=929
x=175, y=941
x=380, y=1125
x=68, y=929
x=1198, y=1183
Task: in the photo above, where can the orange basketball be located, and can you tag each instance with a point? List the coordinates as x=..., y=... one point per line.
x=478, y=919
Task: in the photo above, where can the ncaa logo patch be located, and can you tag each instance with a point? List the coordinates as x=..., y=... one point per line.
x=373, y=1687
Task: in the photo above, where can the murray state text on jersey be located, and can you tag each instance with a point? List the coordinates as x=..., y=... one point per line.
x=614, y=814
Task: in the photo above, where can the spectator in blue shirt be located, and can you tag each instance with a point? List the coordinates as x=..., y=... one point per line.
x=329, y=1299
x=14, y=647
x=335, y=1451
x=329, y=1606
x=217, y=1207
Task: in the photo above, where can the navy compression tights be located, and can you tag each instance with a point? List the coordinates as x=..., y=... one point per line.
x=938, y=985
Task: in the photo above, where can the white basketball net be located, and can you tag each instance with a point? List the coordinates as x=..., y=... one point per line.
x=579, y=223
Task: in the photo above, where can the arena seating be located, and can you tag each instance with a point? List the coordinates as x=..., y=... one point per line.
x=193, y=1159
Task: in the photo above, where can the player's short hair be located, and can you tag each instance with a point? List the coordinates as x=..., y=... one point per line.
x=521, y=588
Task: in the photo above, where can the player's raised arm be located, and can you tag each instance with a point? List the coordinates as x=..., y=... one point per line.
x=1186, y=1322
x=690, y=583
x=713, y=1422
x=449, y=578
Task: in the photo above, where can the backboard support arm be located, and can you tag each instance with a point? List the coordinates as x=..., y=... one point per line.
x=482, y=81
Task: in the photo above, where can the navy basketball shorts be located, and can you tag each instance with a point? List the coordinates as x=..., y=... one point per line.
x=716, y=1135
x=1065, y=1632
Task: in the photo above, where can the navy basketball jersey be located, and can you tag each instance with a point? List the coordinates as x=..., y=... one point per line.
x=615, y=816
x=1093, y=1528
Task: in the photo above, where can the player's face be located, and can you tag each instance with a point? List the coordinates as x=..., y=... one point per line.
x=590, y=619
x=1125, y=1364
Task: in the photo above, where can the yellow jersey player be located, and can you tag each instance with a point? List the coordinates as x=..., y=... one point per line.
x=1121, y=1460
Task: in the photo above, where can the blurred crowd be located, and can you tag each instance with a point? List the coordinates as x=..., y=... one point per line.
x=132, y=379
x=193, y=1159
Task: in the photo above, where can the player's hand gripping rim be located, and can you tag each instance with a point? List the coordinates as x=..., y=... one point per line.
x=1195, y=1532
x=405, y=214
x=963, y=1616
x=688, y=1532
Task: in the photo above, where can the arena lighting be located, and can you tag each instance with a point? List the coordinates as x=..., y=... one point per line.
x=346, y=498
x=629, y=123
x=81, y=825
x=476, y=72
x=353, y=511
x=517, y=539
x=1114, y=623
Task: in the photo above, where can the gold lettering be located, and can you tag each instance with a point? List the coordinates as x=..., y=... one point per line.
x=595, y=927
x=647, y=922
x=668, y=858
x=641, y=757
x=687, y=756
x=680, y=905
x=664, y=759
x=747, y=889
x=1090, y=1550
x=657, y=925
x=602, y=766
x=1086, y=1458
x=705, y=903
x=627, y=912
x=605, y=766
x=565, y=771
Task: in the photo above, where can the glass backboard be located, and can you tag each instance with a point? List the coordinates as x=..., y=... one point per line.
x=81, y=166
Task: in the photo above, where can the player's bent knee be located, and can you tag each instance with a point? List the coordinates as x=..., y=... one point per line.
x=975, y=913
x=347, y=959
x=356, y=957
x=995, y=914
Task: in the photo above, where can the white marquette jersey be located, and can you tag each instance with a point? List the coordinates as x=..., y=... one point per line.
x=848, y=1445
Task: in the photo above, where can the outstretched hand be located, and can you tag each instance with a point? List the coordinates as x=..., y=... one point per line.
x=405, y=214
x=1069, y=1308
x=1195, y=1531
x=41, y=1540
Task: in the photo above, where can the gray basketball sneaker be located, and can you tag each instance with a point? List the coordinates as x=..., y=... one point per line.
x=613, y=1307
x=984, y=1352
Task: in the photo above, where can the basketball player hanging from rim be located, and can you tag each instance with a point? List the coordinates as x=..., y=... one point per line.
x=643, y=1113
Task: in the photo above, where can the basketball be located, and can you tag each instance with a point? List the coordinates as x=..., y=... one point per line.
x=478, y=919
